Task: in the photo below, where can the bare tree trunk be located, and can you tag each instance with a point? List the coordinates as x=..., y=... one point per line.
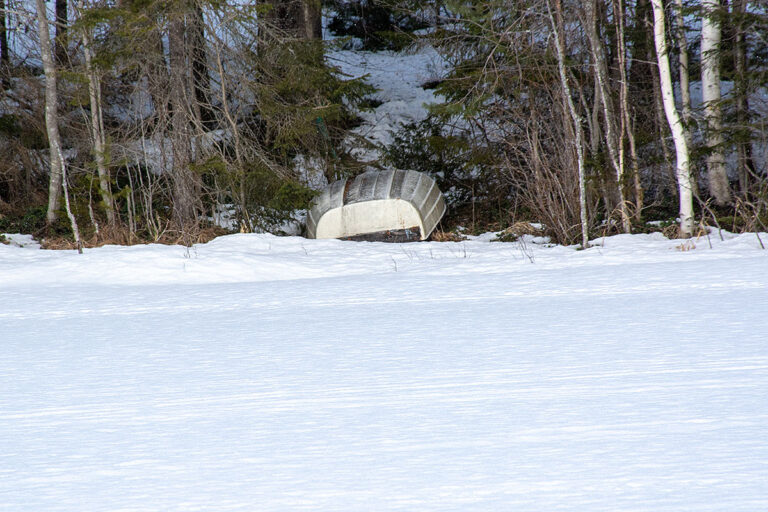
x=239, y=161
x=595, y=132
x=626, y=118
x=711, y=35
x=97, y=126
x=61, y=33
x=746, y=165
x=643, y=69
x=296, y=18
x=601, y=76
x=58, y=169
x=685, y=88
x=5, y=59
x=661, y=122
x=51, y=113
x=184, y=187
x=557, y=27
x=201, y=80
x=313, y=24
x=684, y=182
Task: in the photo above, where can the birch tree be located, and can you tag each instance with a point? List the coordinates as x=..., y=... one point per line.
x=627, y=126
x=683, y=172
x=97, y=120
x=51, y=113
x=600, y=71
x=711, y=35
x=57, y=163
x=684, y=76
x=557, y=28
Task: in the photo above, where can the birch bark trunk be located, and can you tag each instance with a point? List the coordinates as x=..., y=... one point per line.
x=711, y=35
x=626, y=118
x=557, y=27
x=97, y=128
x=58, y=169
x=601, y=75
x=684, y=182
x=51, y=113
x=685, y=88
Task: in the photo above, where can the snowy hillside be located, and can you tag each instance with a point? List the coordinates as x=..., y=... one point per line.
x=283, y=374
x=398, y=78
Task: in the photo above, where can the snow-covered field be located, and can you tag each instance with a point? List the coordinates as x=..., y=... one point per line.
x=260, y=373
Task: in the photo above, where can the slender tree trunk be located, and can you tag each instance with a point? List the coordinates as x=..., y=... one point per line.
x=601, y=76
x=51, y=113
x=661, y=124
x=97, y=126
x=685, y=88
x=5, y=59
x=711, y=35
x=684, y=182
x=58, y=168
x=557, y=27
x=684, y=77
x=300, y=19
x=662, y=131
x=746, y=165
x=626, y=117
x=61, y=33
x=184, y=180
x=201, y=80
x=313, y=24
x=239, y=161
x=595, y=132
x=642, y=68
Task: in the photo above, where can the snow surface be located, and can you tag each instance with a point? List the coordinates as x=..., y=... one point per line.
x=264, y=373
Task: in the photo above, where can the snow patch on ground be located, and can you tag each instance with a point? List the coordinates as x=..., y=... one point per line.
x=398, y=78
x=20, y=240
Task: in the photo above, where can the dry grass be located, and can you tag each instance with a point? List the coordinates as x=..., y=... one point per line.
x=523, y=228
x=672, y=232
x=446, y=236
x=686, y=246
x=120, y=235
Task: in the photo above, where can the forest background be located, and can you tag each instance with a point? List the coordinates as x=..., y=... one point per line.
x=173, y=121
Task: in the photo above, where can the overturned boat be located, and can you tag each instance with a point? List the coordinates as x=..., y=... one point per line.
x=390, y=206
